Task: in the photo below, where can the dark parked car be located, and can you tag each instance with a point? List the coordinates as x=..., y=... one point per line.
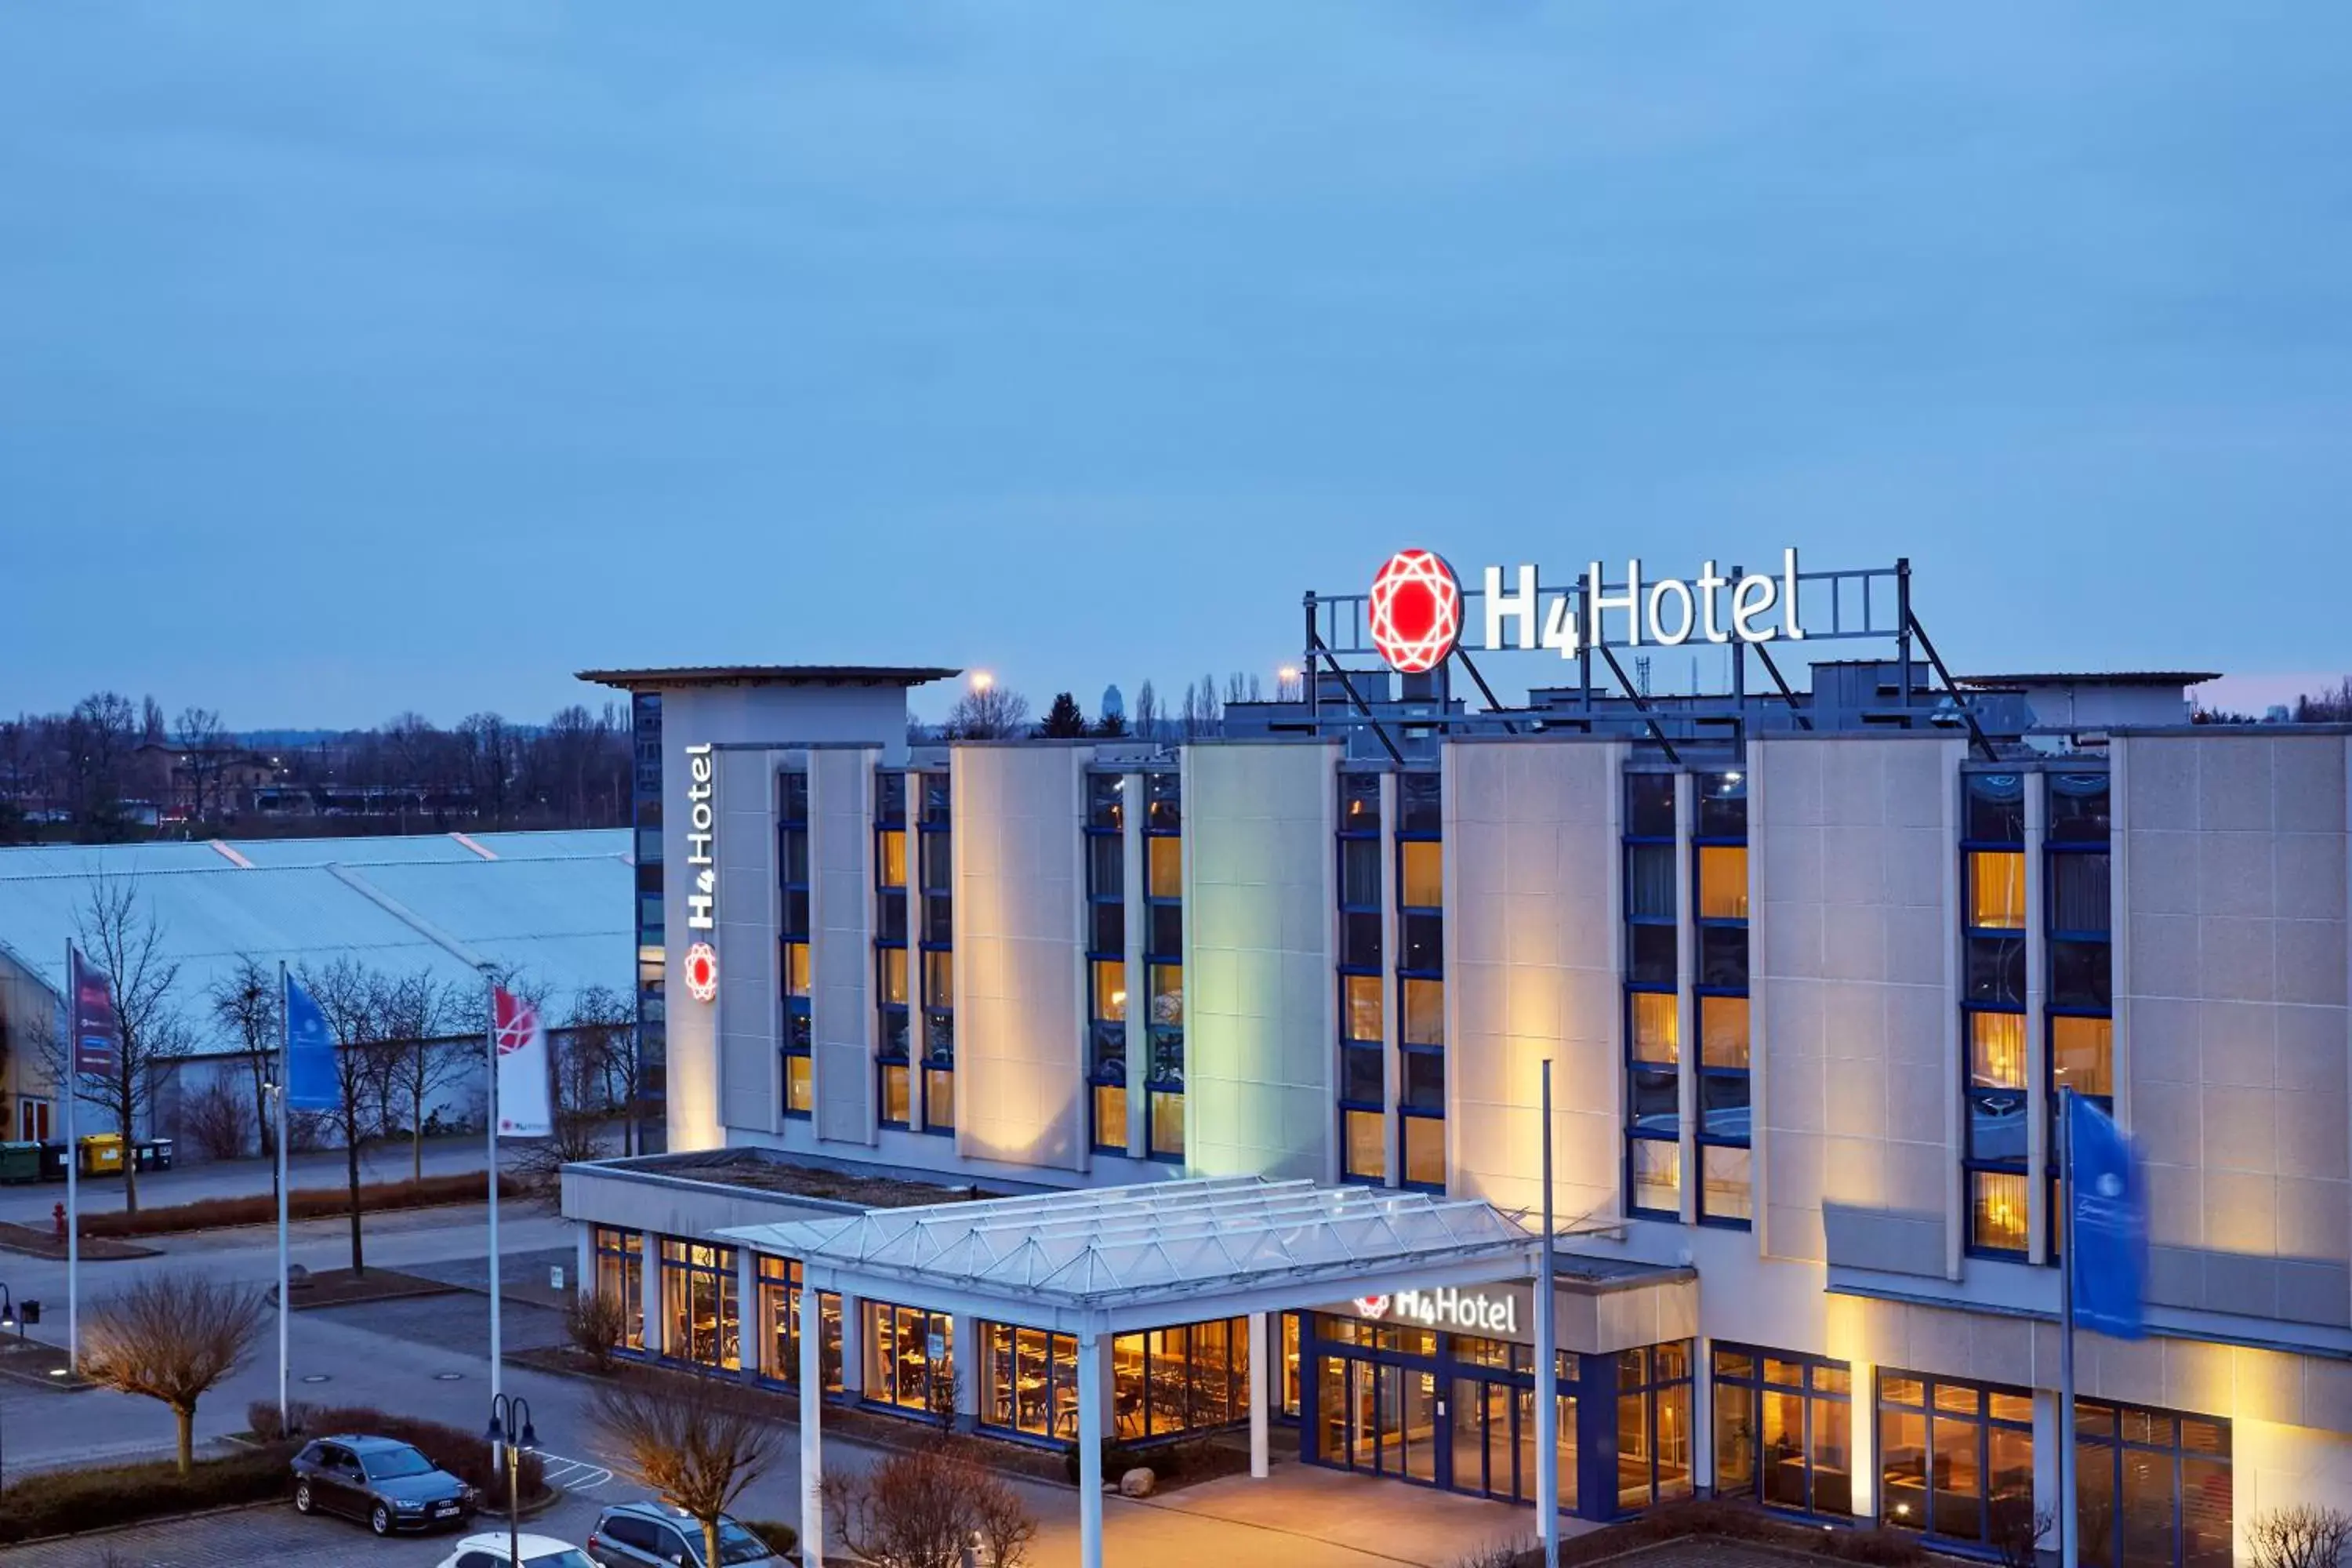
x=387, y=1484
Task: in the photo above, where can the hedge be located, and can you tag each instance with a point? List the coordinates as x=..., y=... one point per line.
x=781, y=1537
x=465, y=1455
x=307, y=1203
x=62, y=1502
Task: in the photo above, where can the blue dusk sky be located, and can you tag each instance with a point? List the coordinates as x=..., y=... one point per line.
x=413, y=355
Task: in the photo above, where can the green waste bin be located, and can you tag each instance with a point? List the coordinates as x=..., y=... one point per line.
x=20, y=1162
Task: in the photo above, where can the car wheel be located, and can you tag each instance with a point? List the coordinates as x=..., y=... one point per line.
x=302, y=1503
x=380, y=1519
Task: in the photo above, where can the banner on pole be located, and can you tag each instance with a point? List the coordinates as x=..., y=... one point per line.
x=97, y=1026
x=525, y=1105
x=2110, y=1240
x=310, y=1079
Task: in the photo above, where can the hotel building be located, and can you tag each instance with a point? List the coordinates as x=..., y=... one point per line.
x=1811, y=971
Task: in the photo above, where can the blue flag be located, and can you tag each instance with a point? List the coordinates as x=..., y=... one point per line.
x=2110, y=1242
x=311, y=1083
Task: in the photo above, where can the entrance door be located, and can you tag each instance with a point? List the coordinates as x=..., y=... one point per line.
x=33, y=1121
x=1485, y=1453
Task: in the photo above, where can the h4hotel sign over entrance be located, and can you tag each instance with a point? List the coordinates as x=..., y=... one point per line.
x=1417, y=613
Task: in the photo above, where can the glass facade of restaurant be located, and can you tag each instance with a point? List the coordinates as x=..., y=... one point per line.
x=1949, y=1452
x=2153, y=1488
x=779, y=1287
x=1783, y=1430
x=701, y=1323
x=1457, y=1412
x=620, y=1263
x=1165, y=1384
x=909, y=1357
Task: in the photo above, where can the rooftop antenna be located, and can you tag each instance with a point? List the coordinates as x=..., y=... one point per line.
x=1642, y=672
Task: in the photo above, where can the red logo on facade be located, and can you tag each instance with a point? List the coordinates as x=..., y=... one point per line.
x=1416, y=611
x=1372, y=1306
x=701, y=972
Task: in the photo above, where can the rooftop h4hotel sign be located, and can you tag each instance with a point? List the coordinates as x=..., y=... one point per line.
x=1416, y=610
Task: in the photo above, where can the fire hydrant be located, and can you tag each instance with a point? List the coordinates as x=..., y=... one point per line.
x=57, y=1218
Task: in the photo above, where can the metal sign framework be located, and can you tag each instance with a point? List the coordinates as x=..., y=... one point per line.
x=1872, y=602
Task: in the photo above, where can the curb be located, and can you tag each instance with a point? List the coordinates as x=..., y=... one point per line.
x=143, y=1524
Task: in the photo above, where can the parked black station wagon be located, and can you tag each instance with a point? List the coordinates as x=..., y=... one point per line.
x=387, y=1484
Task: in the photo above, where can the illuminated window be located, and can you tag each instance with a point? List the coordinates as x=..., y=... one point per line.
x=1997, y=1050
x=1654, y=1425
x=1110, y=1115
x=1722, y=1031
x=1951, y=1453
x=1723, y=881
x=909, y=1358
x=1363, y=1008
x=892, y=849
x=699, y=1306
x=1110, y=989
x=1784, y=1431
x=2081, y=1055
x=1168, y=995
x=796, y=969
x=938, y=978
x=1168, y=1124
x=1997, y=1211
x=2153, y=1488
x=1996, y=889
x=1425, y=1013
x=1657, y=1028
x=800, y=1084
x=897, y=1102
x=621, y=1276
x=1366, y=1155
x=1163, y=861
x=1422, y=882
x=1727, y=1182
x=1424, y=1152
x=893, y=968
x=779, y=1305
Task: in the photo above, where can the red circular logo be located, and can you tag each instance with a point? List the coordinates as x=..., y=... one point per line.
x=701, y=972
x=1416, y=611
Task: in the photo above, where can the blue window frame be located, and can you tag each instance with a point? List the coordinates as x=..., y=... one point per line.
x=1653, y=1000
x=793, y=947
x=935, y=880
x=1163, y=951
x=1993, y=1071
x=1420, y=981
x=1720, y=905
x=893, y=1057
x=1106, y=852
x=2078, y=1006
x=1363, y=1050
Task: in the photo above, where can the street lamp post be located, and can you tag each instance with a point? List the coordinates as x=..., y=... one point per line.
x=511, y=1433
x=8, y=1320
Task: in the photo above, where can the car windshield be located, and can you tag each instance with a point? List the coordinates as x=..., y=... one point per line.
x=737, y=1544
x=570, y=1557
x=392, y=1464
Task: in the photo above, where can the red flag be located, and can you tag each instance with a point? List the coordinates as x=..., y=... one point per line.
x=97, y=1026
x=523, y=1102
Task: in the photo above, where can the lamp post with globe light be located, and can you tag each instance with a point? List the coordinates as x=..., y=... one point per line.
x=510, y=1436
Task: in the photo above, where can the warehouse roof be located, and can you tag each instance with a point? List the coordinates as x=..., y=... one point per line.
x=554, y=908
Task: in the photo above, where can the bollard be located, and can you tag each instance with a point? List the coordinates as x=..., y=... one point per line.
x=57, y=1218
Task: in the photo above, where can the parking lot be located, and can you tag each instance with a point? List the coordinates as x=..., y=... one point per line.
x=278, y=1537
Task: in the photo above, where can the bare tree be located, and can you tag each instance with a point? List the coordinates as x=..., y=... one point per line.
x=987, y=712
x=690, y=1444
x=171, y=1336
x=346, y=993
x=2306, y=1535
x=1147, y=712
x=600, y=1063
x=412, y=1059
x=1241, y=688
x=921, y=1508
x=245, y=1006
x=202, y=743
x=99, y=737
x=121, y=937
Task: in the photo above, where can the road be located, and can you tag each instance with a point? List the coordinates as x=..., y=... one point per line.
x=379, y=1162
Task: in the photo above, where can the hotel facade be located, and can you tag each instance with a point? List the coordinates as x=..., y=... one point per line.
x=1810, y=971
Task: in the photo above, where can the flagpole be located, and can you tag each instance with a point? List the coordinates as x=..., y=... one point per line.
x=2067, y=1545
x=285, y=1073
x=73, y=1159
x=491, y=1103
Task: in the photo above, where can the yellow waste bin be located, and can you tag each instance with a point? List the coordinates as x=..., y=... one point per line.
x=101, y=1154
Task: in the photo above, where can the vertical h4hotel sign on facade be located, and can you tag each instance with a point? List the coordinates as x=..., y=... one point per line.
x=1417, y=616
x=701, y=963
